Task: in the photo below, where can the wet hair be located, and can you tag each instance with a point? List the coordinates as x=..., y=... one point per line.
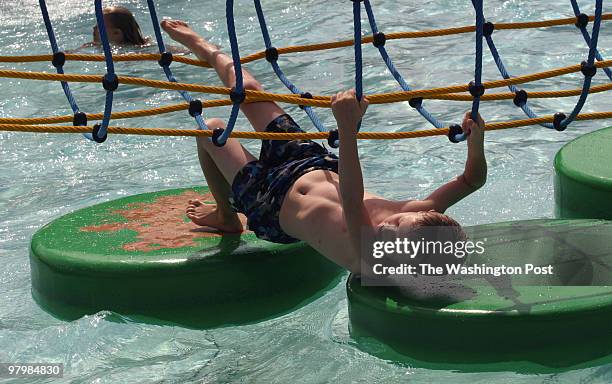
x=124, y=20
x=436, y=219
x=439, y=224
x=439, y=228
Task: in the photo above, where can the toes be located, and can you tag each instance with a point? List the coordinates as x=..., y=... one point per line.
x=165, y=24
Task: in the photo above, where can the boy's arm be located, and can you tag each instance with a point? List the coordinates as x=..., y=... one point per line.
x=348, y=113
x=475, y=174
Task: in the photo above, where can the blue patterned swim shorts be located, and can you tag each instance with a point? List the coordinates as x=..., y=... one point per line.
x=259, y=188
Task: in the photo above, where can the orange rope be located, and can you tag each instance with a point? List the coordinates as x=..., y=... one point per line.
x=288, y=136
x=303, y=48
x=319, y=101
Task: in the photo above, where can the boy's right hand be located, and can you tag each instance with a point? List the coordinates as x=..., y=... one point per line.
x=348, y=111
x=473, y=130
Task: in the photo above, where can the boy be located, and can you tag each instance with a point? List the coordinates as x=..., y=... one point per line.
x=299, y=190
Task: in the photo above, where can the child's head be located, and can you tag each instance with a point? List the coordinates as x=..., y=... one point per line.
x=121, y=27
x=432, y=229
x=409, y=221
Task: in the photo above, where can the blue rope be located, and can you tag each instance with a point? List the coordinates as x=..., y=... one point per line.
x=587, y=39
x=239, y=88
x=60, y=69
x=231, y=29
x=586, y=86
x=108, y=55
x=279, y=73
x=358, y=58
x=45, y=14
x=502, y=70
x=478, y=64
x=357, y=45
x=398, y=77
x=166, y=68
x=110, y=67
x=156, y=29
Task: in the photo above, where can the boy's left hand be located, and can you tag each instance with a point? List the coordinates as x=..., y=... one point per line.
x=474, y=130
x=348, y=111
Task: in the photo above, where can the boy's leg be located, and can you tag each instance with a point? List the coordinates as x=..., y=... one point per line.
x=260, y=114
x=219, y=165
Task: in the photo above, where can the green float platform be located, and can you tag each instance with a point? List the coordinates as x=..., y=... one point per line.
x=583, y=177
x=529, y=323
x=141, y=256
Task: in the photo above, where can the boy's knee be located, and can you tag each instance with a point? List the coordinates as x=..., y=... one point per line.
x=211, y=124
x=252, y=85
x=214, y=123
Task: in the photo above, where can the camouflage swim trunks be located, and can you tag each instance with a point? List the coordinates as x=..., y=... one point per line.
x=259, y=188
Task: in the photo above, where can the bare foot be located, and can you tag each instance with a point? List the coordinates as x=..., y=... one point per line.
x=181, y=32
x=207, y=215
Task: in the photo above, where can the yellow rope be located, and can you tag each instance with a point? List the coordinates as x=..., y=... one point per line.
x=532, y=94
x=288, y=136
x=440, y=93
x=114, y=115
x=319, y=101
x=218, y=103
x=303, y=48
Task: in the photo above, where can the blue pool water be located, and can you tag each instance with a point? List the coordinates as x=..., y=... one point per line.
x=45, y=176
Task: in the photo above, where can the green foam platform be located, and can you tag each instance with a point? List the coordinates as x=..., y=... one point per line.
x=526, y=323
x=140, y=256
x=583, y=177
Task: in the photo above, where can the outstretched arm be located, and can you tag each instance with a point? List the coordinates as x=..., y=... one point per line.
x=348, y=112
x=475, y=174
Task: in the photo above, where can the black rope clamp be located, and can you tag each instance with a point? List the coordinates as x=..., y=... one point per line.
x=217, y=132
x=476, y=90
x=454, y=130
x=59, y=59
x=305, y=95
x=79, y=119
x=271, y=54
x=165, y=59
x=379, y=39
x=110, y=82
x=588, y=70
x=237, y=97
x=520, y=97
x=95, y=133
x=488, y=28
x=195, y=108
x=333, y=138
x=415, y=102
x=582, y=20
x=558, y=119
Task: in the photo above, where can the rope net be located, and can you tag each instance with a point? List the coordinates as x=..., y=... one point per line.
x=475, y=91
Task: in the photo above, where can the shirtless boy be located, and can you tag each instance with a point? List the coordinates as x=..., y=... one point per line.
x=297, y=190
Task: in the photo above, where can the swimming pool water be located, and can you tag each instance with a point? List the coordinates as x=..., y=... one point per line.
x=44, y=176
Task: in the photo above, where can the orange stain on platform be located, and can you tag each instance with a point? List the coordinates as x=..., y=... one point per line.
x=161, y=223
